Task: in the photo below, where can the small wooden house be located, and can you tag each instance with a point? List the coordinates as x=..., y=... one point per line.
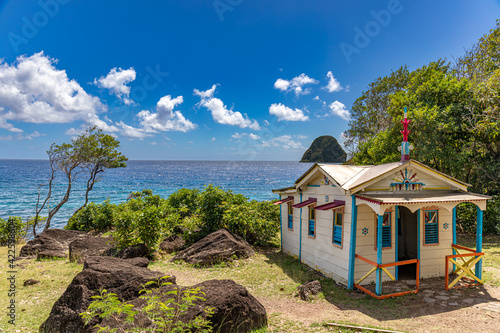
x=392, y=219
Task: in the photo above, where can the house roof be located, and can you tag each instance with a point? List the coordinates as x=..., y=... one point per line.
x=419, y=197
x=353, y=177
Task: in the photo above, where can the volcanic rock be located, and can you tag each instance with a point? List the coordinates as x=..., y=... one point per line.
x=51, y=240
x=124, y=277
x=80, y=249
x=221, y=245
x=309, y=289
x=172, y=243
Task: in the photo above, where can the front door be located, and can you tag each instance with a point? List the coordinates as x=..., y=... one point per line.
x=407, y=241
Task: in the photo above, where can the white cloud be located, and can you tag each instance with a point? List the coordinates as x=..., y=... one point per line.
x=285, y=113
x=284, y=141
x=33, y=90
x=212, y=139
x=339, y=109
x=316, y=98
x=165, y=118
x=333, y=84
x=132, y=132
x=245, y=135
x=296, y=84
x=221, y=114
x=116, y=81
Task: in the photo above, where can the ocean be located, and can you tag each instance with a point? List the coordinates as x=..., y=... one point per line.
x=20, y=180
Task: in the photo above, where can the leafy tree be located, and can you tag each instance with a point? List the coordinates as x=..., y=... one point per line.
x=455, y=125
x=90, y=153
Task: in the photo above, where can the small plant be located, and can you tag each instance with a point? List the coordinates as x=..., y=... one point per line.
x=163, y=308
x=22, y=230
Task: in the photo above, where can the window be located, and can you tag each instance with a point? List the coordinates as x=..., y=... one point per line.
x=431, y=234
x=290, y=217
x=386, y=230
x=338, y=223
x=312, y=222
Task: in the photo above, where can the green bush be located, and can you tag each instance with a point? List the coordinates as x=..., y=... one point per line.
x=467, y=217
x=149, y=225
x=185, y=200
x=257, y=222
x=21, y=229
x=213, y=203
x=99, y=217
x=191, y=229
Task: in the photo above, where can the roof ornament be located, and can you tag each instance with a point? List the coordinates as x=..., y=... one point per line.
x=405, y=145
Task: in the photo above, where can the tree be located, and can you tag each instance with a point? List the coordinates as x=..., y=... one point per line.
x=455, y=114
x=90, y=153
x=99, y=152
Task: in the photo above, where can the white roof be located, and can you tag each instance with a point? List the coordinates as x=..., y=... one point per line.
x=350, y=177
x=420, y=197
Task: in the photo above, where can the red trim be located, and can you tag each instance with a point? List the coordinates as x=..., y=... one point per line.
x=414, y=202
x=290, y=198
x=305, y=203
x=331, y=205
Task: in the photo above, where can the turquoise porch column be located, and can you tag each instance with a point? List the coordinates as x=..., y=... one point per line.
x=378, y=284
x=479, y=242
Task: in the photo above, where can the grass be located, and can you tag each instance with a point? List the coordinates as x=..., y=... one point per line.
x=268, y=275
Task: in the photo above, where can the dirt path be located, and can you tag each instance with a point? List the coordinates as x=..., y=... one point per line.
x=471, y=310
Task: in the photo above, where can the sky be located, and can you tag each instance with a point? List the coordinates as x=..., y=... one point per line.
x=210, y=79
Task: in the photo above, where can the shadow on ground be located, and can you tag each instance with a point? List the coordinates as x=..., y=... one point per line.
x=431, y=299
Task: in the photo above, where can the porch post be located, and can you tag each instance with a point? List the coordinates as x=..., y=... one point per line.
x=281, y=228
x=300, y=231
x=454, y=227
x=378, y=285
x=479, y=242
x=352, y=244
x=396, y=241
x=418, y=243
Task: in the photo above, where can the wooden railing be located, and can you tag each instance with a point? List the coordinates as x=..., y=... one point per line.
x=465, y=266
x=383, y=267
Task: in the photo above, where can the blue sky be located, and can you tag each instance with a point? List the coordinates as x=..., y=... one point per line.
x=210, y=79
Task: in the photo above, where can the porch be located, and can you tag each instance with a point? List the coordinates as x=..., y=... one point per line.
x=411, y=220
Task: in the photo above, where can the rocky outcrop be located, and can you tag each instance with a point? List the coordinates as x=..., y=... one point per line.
x=325, y=149
x=234, y=308
x=124, y=277
x=172, y=243
x=309, y=289
x=221, y=245
x=54, y=242
x=80, y=249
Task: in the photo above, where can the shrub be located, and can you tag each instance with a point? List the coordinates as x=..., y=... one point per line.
x=213, y=203
x=99, y=217
x=185, y=200
x=150, y=226
x=191, y=229
x=22, y=230
x=257, y=222
x=163, y=308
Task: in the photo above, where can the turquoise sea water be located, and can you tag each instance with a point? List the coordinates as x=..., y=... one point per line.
x=19, y=180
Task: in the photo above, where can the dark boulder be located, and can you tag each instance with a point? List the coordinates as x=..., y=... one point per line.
x=309, y=289
x=51, y=254
x=133, y=251
x=221, y=245
x=80, y=249
x=325, y=149
x=172, y=243
x=51, y=240
x=123, y=277
x=235, y=309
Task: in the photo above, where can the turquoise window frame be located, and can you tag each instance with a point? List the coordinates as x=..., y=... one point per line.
x=338, y=230
x=311, y=230
x=431, y=229
x=290, y=217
